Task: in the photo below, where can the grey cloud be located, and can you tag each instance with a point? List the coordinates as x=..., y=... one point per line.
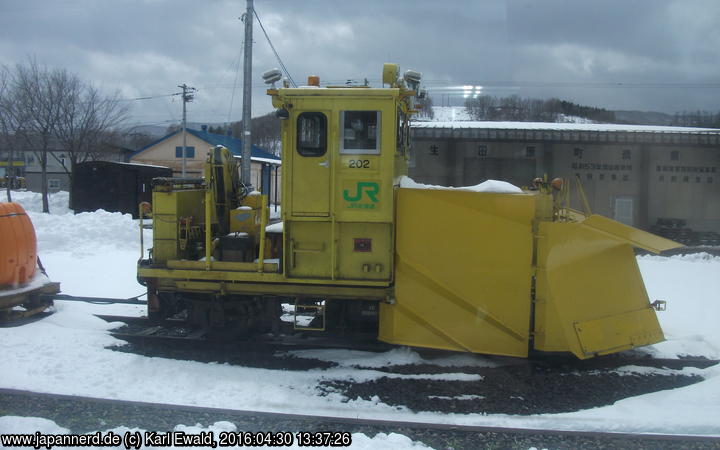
x=149, y=47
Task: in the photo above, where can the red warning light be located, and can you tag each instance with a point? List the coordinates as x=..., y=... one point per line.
x=362, y=245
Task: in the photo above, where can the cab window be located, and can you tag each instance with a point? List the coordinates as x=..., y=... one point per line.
x=360, y=132
x=312, y=134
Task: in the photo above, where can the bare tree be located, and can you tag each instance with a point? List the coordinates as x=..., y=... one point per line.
x=36, y=101
x=5, y=130
x=127, y=138
x=265, y=132
x=85, y=119
x=43, y=110
x=424, y=107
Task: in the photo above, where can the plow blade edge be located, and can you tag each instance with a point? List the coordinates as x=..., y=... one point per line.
x=590, y=296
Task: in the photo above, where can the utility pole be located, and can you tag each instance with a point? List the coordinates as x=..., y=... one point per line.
x=187, y=96
x=247, y=97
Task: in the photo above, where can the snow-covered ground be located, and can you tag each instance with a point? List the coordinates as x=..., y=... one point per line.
x=95, y=254
x=30, y=425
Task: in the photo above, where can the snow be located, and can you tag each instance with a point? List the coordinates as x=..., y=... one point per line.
x=550, y=126
x=450, y=114
x=140, y=164
x=489, y=186
x=95, y=254
x=277, y=162
x=274, y=228
x=691, y=286
x=26, y=425
x=461, y=114
x=37, y=281
x=399, y=356
x=360, y=441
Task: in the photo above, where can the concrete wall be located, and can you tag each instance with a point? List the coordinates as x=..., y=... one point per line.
x=614, y=176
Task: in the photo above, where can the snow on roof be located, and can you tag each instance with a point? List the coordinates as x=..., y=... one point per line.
x=264, y=160
x=563, y=127
x=494, y=186
x=139, y=164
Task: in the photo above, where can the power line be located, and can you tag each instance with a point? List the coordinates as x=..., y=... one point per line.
x=567, y=84
x=150, y=97
x=232, y=97
x=282, y=65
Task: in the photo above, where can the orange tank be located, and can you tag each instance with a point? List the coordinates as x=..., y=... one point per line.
x=18, y=245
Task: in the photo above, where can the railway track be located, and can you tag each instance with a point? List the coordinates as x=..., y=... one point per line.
x=512, y=386
x=139, y=329
x=81, y=415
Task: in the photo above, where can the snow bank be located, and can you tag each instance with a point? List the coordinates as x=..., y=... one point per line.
x=91, y=253
x=29, y=425
x=493, y=186
x=691, y=286
x=32, y=201
x=360, y=441
x=274, y=228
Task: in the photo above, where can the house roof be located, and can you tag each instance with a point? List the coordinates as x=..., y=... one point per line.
x=231, y=143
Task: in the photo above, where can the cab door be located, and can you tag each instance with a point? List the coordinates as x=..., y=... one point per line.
x=311, y=166
x=308, y=227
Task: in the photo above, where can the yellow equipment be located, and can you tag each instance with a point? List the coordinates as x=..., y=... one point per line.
x=492, y=273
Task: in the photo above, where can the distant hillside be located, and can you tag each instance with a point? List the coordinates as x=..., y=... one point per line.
x=519, y=109
x=644, y=118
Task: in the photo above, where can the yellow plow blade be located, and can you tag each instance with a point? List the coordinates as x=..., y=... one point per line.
x=463, y=272
x=468, y=266
x=590, y=297
x=631, y=235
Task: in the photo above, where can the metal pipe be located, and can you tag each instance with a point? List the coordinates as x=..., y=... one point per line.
x=208, y=221
x=264, y=212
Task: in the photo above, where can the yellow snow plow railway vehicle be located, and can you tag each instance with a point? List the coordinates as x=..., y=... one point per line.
x=495, y=273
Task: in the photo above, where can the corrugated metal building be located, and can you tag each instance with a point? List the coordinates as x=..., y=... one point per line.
x=635, y=174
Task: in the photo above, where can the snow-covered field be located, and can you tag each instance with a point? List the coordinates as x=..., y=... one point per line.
x=95, y=254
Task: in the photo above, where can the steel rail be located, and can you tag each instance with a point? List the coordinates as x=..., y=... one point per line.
x=159, y=333
x=386, y=424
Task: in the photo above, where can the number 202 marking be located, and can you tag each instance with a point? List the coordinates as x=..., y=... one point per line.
x=359, y=163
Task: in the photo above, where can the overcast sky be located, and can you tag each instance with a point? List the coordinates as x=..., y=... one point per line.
x=665, y=53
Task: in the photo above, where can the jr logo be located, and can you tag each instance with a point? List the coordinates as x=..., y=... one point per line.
x=369, y=188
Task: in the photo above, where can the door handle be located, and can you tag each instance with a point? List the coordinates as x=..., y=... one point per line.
x=324, y=164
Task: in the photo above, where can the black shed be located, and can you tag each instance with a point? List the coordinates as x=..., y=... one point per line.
x=113, y=186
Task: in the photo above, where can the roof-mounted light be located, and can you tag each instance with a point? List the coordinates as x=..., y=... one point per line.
x=412, y=76
x=272, y=76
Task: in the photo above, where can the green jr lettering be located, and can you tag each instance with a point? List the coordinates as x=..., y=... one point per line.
x=369, y=188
